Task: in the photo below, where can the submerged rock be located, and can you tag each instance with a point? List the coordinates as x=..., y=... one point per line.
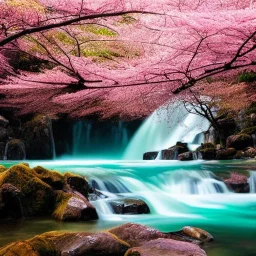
x=197, y=233
x=129, y=206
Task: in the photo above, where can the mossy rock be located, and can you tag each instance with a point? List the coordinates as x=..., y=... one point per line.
x=52, y=178
x=15, y=150
x=250, y=130
x=240, y=141
x=77, y=183
x=37, y=197
x=207, y=145
x=72, y=207
x=225, y=154
x=2, y=168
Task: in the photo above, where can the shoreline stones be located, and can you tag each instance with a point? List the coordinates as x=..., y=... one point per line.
x=129, y=239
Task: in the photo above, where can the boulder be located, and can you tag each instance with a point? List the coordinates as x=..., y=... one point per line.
x=15, y=150
x=36, y=197
x=250, y=152
x=2, y=150
x=185, y=156
x=77, y=183
x=238, y=183
x=68, y=244
x=239, y=141
x=37, y=138
x=150, y=155
x=225, y=154
x=3, y=122
x=166, y=247
x=73, y=207
x=129, y=206
x=197, y=233
x=52, y=178
x=10, y=202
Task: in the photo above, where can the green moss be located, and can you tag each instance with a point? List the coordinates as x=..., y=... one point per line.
x=62, y=199
x=36, y=195
x=52, y=178
x=100, y=52
x=2, y=168
x=250, y=130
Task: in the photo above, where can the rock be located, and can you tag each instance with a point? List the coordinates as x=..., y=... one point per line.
x=2, y=150
x=238, y=183
x=77, y=182
x=3, y=122
x=37, y=138
x=250, y=130
x=15, y=150
x=166, y=247
x=197, y=233
x=95, y=244
x=225, y=154
x=129, y=206
x=71, y=207
x=136, y=234
x=207, y=151
x=52, y=178
x=250, y=152
x=185, y=156
x=239, y=142
x=2, y=168
x=37, y=197
x=150, y=155
x=68, y=244
x=3, y=134
x=10, y=198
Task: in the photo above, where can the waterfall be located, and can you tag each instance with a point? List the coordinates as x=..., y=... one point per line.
x=95, y=139
x=252, y=182
x=52, y=139
x=164, y=128
x=6, y=150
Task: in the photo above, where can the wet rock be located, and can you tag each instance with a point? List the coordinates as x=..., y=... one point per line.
x=10, y=202
x=37, y=197
x=129, y=206
x=166, y=247
x=207, y=151
x=82, y=243
x=73, y=207
x=238, y=183
x=225, y=154
x=3, y=122
x=185, y=156
x=197, y=233
x=15, y=150
x=136, y=234
x=68, y=244
x=52, y=178
x=150, y=155
x=239, y=141
x=77, y=183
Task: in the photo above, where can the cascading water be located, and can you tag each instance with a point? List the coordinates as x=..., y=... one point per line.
x=164, y=128
x=105, y=140
x=252, y=182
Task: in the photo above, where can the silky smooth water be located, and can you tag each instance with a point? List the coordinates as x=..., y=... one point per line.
x=177, y=193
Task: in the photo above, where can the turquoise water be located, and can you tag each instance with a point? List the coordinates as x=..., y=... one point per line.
x=177, y=193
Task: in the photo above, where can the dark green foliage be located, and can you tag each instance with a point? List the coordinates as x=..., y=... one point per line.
x=247, y=77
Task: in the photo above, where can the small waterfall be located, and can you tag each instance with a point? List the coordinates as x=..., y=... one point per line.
x=252, y=182
x=163, y=129
x=92, y=139
x=6, y=150
x=194, y=155
x=159, y=155
x=52, y=138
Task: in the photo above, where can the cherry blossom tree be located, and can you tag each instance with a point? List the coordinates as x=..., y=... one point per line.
x=120, y=58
